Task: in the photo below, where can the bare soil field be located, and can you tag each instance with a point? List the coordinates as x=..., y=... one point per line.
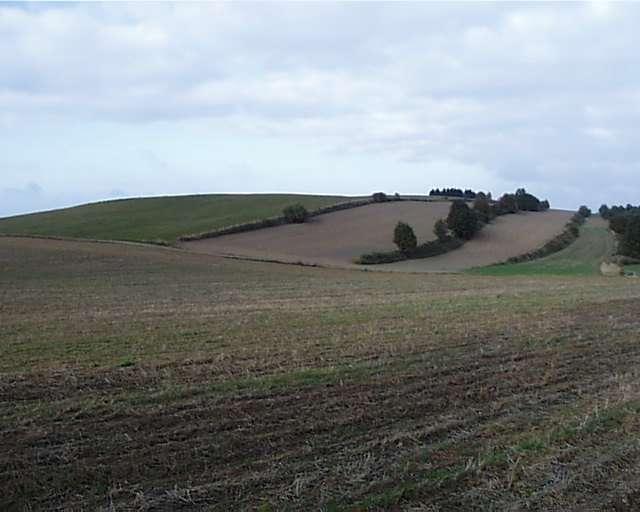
x=333, y=239
x=507, y=236
x=337, y=238
x=135, y=378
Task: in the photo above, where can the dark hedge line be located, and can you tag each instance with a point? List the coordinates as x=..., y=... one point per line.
x=425, y=250
x=280, y=219
x=272, y=221
x=568, y=235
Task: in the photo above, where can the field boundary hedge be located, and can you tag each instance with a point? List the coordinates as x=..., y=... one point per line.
x=569, y=234
x=425, y=250
x=280, y=220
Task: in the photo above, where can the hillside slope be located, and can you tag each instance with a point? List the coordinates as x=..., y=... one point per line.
x=335, y=239
x=157, y=218
x=581, y=258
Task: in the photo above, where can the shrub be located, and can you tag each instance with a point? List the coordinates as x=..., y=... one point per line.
x=618, y=224
x=461, y=220
x=584, y=211
x=425, y=250
x=630, y=241
x=544, y=205
x=482, y=208
x=441, y=230
x=404, y=237
x=527, y=202
x=507, y=204
x=379, y=197
x=295, y=213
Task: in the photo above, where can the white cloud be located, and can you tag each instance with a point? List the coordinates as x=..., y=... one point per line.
x=505, y=93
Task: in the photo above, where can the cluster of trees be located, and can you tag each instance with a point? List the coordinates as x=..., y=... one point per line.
x=453, y=192
x=463, y=221
x=625, y=222
x=521, y=201
x=615, y=211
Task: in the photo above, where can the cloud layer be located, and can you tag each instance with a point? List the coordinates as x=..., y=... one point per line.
x=326, y=97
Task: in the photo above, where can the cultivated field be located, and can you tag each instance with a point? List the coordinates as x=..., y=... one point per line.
x=336, y=239
x=158, y=219
x=331, y=239
x=581, y=258
x=505, y=237
x=136, y=378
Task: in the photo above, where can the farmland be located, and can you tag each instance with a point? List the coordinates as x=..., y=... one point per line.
x=581, y=258
x=158, y=219
x=146, y=378
x=336, y=239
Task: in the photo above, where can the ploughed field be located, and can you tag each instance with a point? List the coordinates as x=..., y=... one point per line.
x=141, y=378
x=337, y=238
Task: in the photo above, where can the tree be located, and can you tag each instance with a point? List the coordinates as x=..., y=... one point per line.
x=379, y=197
x=508, y=204
x=461, y=220
x=295, y=213
x=584, y=211
x=404, y=237
x=544, y=205
x=441, y=230
x=630, y=242
x=618, y=224
x=604, y=211
x=482, y=208
x=527, y=202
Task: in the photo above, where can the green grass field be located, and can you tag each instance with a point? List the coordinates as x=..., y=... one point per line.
x=146, y=378
x=581, y=258
x=158, y=218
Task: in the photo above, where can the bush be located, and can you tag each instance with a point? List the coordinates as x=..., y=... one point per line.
x=482, y=208
x=584, y=211
x=461, y=220
x=404, y=238
x=544, y=205
x=618, y=224
x=527, y=202
x=441, y=230
x=630, y=241
x=426, y=250
x=379, y=197
x=295, y=213
x=507, y=204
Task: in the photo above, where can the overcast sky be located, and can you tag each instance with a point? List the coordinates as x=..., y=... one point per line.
x=115, y=100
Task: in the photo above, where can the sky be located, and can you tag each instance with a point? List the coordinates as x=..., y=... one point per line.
x=109, y=100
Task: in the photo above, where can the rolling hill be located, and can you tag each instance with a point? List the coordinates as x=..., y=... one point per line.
x=581, y=258
x=157, y=219
x=336, y=238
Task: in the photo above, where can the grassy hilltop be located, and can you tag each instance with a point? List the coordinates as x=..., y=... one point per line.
x=157, y=218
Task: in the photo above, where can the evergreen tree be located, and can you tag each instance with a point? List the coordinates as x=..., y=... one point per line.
x=461, y=220
x=404, y=237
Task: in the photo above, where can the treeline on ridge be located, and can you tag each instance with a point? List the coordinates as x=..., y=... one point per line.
x=624, y=221
x=462, y=223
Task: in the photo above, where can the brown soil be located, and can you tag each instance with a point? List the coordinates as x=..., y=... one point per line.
x=504, y=238
x=336, y=239
x=142, y=379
